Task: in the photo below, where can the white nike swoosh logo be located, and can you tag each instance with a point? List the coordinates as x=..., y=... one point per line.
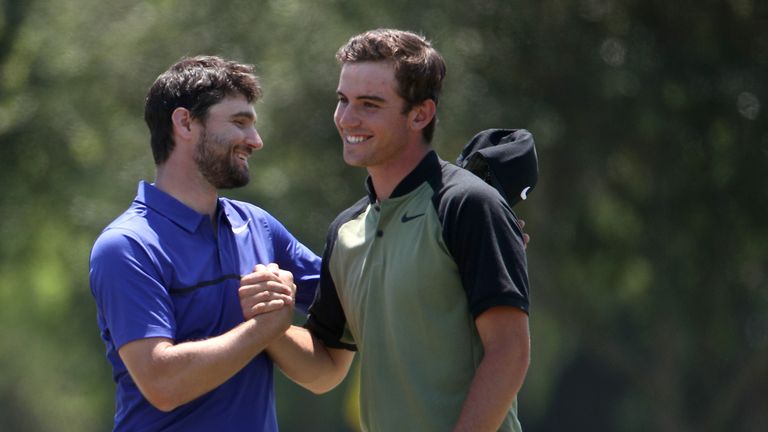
x=524, y=193
x=241, y=229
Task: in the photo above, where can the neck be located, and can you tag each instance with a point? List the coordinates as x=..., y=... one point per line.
x=187, y=186
x=386, y=177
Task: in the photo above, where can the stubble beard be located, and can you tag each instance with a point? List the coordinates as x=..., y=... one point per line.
x=215, y=161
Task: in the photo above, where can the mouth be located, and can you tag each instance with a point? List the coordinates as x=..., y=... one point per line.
x=242, y=155
x=355, y=139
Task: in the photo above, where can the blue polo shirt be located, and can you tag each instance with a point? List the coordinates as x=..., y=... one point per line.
x=159, y=270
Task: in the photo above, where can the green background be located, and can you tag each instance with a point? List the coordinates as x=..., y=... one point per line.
x=649, y=258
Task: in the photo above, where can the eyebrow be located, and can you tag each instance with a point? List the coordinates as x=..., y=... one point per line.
x=247, y=114
x=365, y=97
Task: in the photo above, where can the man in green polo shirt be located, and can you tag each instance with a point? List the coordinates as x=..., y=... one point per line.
x=426, y=276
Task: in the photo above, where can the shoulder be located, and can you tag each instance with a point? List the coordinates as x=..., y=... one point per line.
x=464, y=201
x=458, y=188
x=350, y=213
x=128, y=242
x=131, y=226
x=342, y=218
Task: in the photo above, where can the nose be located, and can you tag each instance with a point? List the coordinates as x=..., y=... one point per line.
x=253, y=139
x=345, y=116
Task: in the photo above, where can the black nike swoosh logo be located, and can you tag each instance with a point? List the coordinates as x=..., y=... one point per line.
x=407, y=218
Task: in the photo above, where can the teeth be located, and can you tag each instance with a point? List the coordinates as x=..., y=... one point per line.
x=355, y=139
x=242, y=154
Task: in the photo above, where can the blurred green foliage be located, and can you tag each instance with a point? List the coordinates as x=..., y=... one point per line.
x=649, y=259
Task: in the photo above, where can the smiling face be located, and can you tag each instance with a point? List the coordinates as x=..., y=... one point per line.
x=226, y=142
x=369, y=116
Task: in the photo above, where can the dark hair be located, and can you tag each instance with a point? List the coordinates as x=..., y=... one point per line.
x=194, y=83
x=419, y=68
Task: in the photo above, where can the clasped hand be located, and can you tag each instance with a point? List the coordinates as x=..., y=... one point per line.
x=266, y=289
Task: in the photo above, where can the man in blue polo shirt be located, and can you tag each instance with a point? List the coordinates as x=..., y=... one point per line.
x=166, y=273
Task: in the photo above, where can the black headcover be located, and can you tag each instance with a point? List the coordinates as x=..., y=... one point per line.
x=505, y=159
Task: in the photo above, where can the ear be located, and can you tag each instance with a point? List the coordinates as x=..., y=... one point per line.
x=182, y=122
x=421, y=115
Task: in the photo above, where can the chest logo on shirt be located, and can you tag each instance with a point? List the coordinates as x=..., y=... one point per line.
x=407, y=218
x=241, y=229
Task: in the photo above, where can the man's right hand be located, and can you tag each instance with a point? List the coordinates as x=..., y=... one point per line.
x=266, y=289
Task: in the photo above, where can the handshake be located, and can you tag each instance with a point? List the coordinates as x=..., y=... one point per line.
x=268, y=291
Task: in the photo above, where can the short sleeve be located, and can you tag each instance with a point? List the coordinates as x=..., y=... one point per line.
x=482, y=234
x=131, y=298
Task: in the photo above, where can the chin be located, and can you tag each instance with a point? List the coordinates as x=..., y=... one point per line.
x=355, y=163
x=352, y=161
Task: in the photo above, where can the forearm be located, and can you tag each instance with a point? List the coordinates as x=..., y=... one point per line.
x=494, y=388
x=306, y=361
x=171, y=375
x=501, y=372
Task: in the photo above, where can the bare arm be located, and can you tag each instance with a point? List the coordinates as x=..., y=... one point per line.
x=170, y=375
x=506, y=342
x=304, y=359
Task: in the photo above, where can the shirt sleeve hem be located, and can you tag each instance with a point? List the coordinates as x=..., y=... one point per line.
x=480, y=307
x=328, y=340
x=149, y=334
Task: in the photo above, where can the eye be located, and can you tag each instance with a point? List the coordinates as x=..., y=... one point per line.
x=243, y=123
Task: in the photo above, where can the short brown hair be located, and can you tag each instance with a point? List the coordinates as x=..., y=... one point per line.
x=194, y=83
x=419, y=68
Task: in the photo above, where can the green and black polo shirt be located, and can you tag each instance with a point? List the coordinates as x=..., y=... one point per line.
x=402, y=282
